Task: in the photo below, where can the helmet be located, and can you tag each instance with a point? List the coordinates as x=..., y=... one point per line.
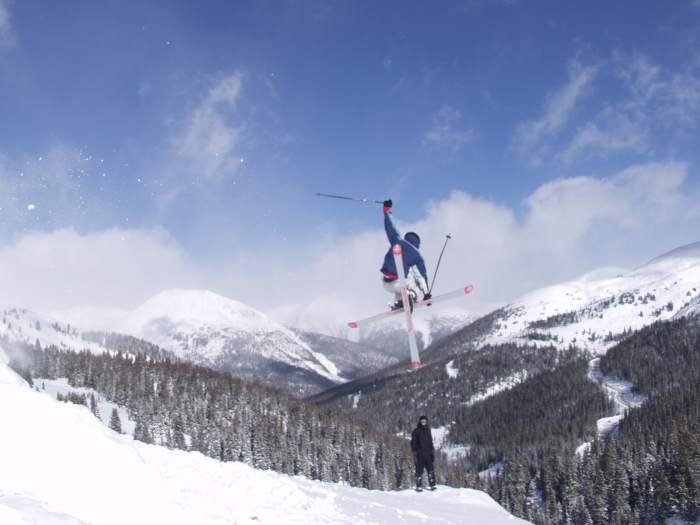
x=413, y=238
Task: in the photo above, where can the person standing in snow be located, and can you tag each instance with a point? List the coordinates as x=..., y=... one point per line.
x=413, y=262
x=423, y=453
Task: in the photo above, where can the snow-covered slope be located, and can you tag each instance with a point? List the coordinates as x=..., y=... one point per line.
x=215, y=331
x=60, y=465
x=25, y=326
x=594, y=312
x=691, y=309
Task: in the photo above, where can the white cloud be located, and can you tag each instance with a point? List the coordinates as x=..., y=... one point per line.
x=61, y=269
x=211, y=137
x=531, y=137
x=565, y=228
x=7, y=34
x=446, y=132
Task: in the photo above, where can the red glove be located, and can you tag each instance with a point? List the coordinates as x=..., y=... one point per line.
x=387, y=205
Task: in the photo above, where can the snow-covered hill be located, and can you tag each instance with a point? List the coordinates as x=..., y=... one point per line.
x=227, y=335
x=595, y=312
x=25, y=326
x=60, y=465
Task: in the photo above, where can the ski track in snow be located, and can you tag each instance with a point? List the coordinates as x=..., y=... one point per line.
x=620, y=392
x=60, y=466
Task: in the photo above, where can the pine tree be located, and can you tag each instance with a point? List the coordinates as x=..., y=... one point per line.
x=620, y=510
x=93, y=406
x=179, y=433
x=115, y=423
x=141, y=432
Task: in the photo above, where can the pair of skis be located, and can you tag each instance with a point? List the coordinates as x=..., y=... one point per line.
x=407, y=311
x=419, y=304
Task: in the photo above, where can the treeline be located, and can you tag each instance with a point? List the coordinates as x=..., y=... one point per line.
x=179, y=405
x=658, y=358
x=127, y=344
x=647, y=471
x=394, y=402
x=556, y=407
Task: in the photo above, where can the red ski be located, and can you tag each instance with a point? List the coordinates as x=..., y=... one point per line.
x=437, y=299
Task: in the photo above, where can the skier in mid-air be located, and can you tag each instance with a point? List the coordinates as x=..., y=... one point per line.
x=423, y=453
x=414, y=264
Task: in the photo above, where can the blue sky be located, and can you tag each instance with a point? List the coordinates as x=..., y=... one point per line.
x=213, y=123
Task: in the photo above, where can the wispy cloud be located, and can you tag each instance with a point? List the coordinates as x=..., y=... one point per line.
x=613, y=131
x=211, y=136
x=7, y=34
x=531, y=138
x=653, y=100
x=447, y=131
x=637, y=100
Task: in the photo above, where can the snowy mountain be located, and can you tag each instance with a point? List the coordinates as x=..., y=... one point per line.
x=691, y=309
x=24, y=326
x=390, y=334
x=212, y=330
x=353, y=360
x=595, y=312
x=61, y=465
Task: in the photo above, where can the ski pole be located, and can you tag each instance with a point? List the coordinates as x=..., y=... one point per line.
x=437, y=267
x=356, y=199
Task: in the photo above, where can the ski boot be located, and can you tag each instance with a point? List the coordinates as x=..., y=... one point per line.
x=431, y=481
x=419, y=484
x=412, y=298
x=398, y=305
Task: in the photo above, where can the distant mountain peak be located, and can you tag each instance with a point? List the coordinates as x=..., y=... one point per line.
x=687, y=251
x=213, y=330
x=201, y=307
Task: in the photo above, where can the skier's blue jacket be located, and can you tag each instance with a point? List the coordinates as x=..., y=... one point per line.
x=411, y=255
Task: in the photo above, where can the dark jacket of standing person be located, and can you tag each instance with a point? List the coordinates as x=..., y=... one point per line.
x=423, y=453
x=422, y=439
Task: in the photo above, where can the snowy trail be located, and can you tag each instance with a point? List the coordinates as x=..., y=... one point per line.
x=60, y=465
x=620, y=391
x=621, y=394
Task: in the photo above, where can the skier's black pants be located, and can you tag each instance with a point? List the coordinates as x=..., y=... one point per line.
x=424, y=461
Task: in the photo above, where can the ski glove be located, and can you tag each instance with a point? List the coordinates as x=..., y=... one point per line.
x=427, y=297
x=387, y=205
